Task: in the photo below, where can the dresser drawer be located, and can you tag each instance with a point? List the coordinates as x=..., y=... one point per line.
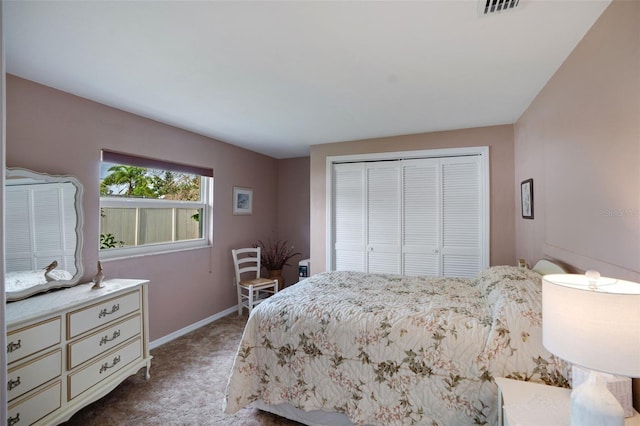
x=88, y=347
x=33, y=338
x=94, y=316
x=36, y=406
x=86, y=377
x=30, y=375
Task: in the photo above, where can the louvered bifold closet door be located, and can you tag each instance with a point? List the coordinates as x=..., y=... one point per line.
x=421, y=217
x=51, y=233
x=41, y=208
x=349, y=217
x=383, y=217
x=18, y=230
x=461, y=216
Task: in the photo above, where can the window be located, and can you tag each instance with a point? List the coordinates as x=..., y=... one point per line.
x=152, y=206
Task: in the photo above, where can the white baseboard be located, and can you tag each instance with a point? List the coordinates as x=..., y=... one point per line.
x=169, y=337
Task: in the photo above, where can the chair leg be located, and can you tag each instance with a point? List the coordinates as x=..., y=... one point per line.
x=250, y=298
x=239, y=301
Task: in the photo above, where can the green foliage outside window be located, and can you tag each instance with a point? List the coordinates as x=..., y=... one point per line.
x=140, y=182
x=108, y=241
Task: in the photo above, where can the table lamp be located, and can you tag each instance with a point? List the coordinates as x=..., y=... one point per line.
x=593, y=322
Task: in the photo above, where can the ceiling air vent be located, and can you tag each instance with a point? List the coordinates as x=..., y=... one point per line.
x=489, y=7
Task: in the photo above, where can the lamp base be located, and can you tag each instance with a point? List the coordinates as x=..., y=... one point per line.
x=592, y=404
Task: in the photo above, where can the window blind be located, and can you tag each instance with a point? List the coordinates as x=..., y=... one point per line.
x=151, y=163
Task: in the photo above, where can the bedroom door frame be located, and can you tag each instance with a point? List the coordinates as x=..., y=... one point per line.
x=485, y=197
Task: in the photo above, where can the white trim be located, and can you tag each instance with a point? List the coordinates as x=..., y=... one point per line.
x=149, y=203
x=408, y=155
x=122, y=255
x=151, y=249
x=482, y=151
x=3, y=328
x=188, y=329
x=208, y=193
x=3, y=145
x=485, y=181
x=328, y=212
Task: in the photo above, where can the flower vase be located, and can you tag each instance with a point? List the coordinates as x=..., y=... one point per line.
x=276, y=274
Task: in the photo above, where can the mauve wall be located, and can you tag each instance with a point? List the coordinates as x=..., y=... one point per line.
x=499, y=139
x=580, y=142
x=293, y=211
x=55, y=132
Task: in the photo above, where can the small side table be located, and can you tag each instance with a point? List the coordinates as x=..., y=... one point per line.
x=534, y=404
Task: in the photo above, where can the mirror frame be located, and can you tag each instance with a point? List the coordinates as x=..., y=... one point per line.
x=17, y=172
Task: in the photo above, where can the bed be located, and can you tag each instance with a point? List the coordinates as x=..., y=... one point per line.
x=354, y=348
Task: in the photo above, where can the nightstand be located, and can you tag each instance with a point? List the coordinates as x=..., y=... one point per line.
x=534, y=404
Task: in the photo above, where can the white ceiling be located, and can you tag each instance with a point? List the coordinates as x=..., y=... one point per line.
x=278, y=76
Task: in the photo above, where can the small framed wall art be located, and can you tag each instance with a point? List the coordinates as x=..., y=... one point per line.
x=526, y=198
x=242, y=200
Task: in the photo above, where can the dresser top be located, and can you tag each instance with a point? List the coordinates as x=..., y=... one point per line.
x=60, y=300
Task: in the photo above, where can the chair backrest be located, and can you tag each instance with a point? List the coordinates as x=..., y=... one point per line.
x=246, y=260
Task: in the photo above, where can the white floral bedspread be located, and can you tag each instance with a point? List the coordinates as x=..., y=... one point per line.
x=395, y=350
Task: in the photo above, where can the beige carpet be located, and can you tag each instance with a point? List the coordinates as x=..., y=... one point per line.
x=188, y=379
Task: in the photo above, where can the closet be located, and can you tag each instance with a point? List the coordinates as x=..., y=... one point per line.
x=417, y=216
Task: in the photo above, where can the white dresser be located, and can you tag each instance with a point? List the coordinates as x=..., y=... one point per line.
x=70, y=347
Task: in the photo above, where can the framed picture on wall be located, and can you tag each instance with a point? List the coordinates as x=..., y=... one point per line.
x=526, y=197
x=242, y=200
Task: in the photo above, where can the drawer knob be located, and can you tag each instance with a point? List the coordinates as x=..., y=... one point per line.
x=13, y=346
x=13, y=420
x=106, y=365
x=104, y=312
x=11, y=384
x=106, y=339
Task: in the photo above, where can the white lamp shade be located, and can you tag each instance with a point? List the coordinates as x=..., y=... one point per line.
x=597, y=329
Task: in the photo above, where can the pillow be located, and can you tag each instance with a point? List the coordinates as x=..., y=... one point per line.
x=494, y=276
x=544, y=267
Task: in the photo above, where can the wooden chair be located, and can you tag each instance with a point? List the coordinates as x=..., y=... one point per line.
x=252, y=289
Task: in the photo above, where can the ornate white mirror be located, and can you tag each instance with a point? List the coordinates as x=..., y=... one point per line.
x=43, y=232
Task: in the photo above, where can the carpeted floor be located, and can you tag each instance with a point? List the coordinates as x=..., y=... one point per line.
x=188, y=380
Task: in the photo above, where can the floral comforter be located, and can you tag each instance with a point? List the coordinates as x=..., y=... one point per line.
x=395, y=350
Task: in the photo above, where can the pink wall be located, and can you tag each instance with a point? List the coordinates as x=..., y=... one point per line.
x=499, y=139
x=55, y=132
x=580, y=142
x=293, y=210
